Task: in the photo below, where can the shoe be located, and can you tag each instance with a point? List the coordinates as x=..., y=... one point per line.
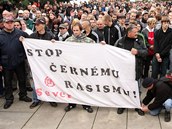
x=14, y=89
x=26, y=99
x=34, y=104
x=53, y=104
x=120, y=110
x=69, y=107
x=140, y=112
x=2, y=95
x=29, y=89
x=8, y=104
x=88, y=109
x=167, y=116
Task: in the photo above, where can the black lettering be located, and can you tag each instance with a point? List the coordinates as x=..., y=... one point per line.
x=68, y=84
x=79, y=87
x=106, y=89
x=29, y=52
x=105, y=72
x=63, y=68
x=98, y=88
x=116, y=89
x=115, y=73
x=84, y=71
x=53, y=67
x=94, y=71
x=39, y=52
x=49, y=52
x=58, y=52
x=89, y=88
x=73, y=70
x=126, y=92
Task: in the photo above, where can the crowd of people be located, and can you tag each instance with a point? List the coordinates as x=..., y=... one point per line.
x=144, y=28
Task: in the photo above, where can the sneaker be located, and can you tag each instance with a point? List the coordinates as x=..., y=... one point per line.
x=14, y=89
x=140, y=112
x=69, y=107
x=29, y=89
x=8, y=104
x=120, y=110
x=53, y=104
x=34, y=104
x=2, y=95
x=88, y=109
x=167, y=116
x=25, y=98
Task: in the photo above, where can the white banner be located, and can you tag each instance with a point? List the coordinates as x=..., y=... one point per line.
x=83, y=73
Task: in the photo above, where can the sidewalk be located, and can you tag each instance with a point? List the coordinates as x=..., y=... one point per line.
x=20, y=116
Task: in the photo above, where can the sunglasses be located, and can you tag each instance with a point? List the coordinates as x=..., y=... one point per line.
x=62, y=28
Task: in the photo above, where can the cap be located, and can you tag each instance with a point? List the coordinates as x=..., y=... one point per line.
x=40, y=21
x=144, y=12
x=121, y=16
x=147, y=82
x=62, y=26
x=20, y=11
x=8, y=19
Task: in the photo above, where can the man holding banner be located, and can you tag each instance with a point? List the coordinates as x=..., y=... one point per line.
x=40, y=33
x=132, y=43
x=71, y=72
x=78, y=36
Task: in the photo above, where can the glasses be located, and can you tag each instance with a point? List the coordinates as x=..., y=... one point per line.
x=62, y=28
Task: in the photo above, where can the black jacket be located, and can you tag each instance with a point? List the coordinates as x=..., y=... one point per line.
x=46, y=36
x=110, y=34
x=163, y=42
x=11, y=49
x=160, y=92
x=138, y=44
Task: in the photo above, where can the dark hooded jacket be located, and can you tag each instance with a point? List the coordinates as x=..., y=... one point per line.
x=160, y=92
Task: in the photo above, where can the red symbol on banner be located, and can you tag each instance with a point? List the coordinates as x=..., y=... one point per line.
x=49, y=82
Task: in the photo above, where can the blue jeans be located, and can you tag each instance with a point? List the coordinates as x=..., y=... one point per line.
x=167, y=104
x=34, y=95
x=159, y=67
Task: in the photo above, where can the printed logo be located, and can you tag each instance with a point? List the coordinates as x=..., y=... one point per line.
x=49, y=82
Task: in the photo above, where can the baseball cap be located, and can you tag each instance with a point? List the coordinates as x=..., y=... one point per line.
x=62, y=26
x=20, y=11
x=144, y=12
x=147, y=82
x=40, y=21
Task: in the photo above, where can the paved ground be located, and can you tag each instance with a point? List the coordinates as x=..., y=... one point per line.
x=19, y=116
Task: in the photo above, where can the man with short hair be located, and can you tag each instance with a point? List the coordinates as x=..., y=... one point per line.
x=100, y=29
x=136, y=46
x=29, y=22
x=162, y=46
x=110, y=32
x=40, y=33
x=63, y=33
x=79, y=37
x=86, y=25
x=161, y=92
x=12, y=59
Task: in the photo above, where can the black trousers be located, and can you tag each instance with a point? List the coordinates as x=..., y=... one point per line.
x=84, y=106
x=21, y=77
x=1, y=84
